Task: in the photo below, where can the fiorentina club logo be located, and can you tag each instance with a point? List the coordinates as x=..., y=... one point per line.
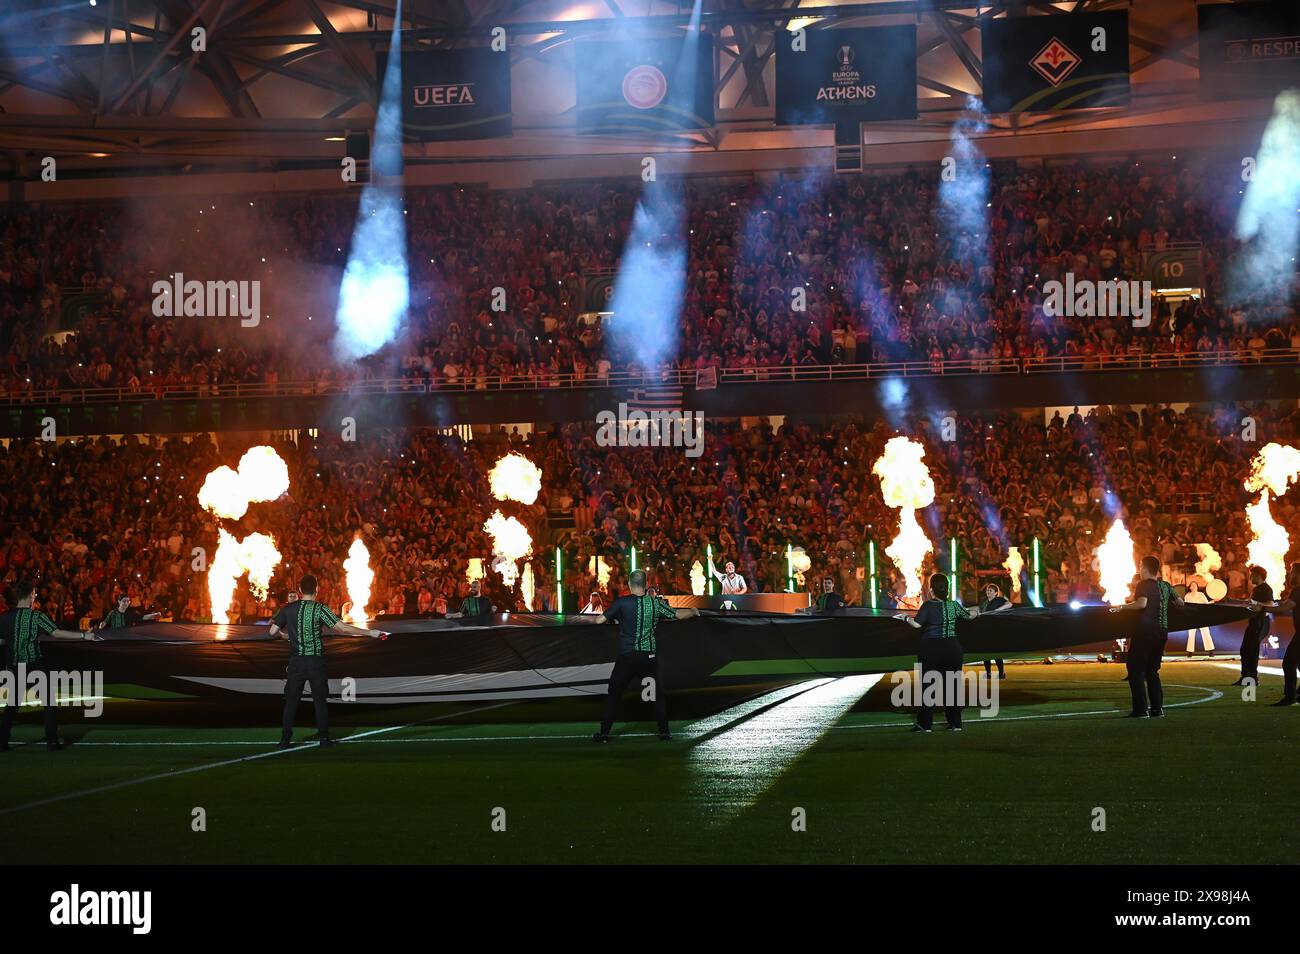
x=644, y=87
x=1055, y=62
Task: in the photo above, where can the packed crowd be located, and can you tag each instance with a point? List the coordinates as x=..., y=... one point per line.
x=93, y=519
x=886, y=279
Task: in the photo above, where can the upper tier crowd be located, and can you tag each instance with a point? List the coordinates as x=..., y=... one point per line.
x=886, y=278
x=90, y=519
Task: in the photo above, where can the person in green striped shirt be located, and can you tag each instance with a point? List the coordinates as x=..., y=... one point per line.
x=22, y=629
x=303, y=623
x=122, y=616
x=476, y=604
x=638, y=616
x=940, y=653
x=1151, y=599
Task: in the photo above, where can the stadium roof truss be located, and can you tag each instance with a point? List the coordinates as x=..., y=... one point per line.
x=117, y=84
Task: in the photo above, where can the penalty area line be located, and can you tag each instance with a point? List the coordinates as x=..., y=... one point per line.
x=176, y=773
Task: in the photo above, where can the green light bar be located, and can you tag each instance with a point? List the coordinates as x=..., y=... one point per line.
x=952, y=549
x=871, y=557
x=559, y=588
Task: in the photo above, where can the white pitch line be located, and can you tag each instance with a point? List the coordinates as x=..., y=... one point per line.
x=1214, y=694
x=127, y=783
x=1266, y=670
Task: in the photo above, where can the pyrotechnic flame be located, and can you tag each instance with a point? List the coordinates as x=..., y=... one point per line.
x=1013, y=564
x=511, y=542
x=528, y=587
x=1276, y=467
x=908, y=551
x=1116, y=564
x=474, y=571
x=800, y=563
x=359, y=577
x=1208, y=560
x=905, y=483
x=255, y=555
x=262, y=476
x=697, y=578
x=515, y=477
x=1269, y=542
x=598, y=568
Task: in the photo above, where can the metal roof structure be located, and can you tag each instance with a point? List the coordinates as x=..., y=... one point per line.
x=114, y=85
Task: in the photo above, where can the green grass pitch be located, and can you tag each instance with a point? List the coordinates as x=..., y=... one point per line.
x=1213, y=782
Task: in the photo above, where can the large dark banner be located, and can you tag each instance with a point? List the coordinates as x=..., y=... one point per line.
x=1249, y=49
x=1062, y=61
x=860, y=75
x=637, y=86
x=454, y=94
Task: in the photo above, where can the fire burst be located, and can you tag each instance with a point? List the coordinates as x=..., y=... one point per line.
x=1275, y=468
x=697, y=578
x=598, y=568
x=515, y=477
x=905, y=483
x=262, y=476
x=511, y=542
x=255, y=555
x=1116, y=564
x=1013, y=564
x=1207, y=561
x=359, y=577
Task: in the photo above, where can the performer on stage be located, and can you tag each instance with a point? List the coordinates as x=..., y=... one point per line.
x=731, y=581
x=123, y=616
x=828, y=601
x=304, y=622
x=638, y=616
x=476, y=604
x=595, y=604
x=1194, y=595
x=21, y=630
x=994, y=601
x=940, y=654
x=1151, y=599
x=1257, y=627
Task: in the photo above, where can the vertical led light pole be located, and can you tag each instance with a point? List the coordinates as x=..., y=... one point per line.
x=634, y=558
x=1038, y=596
x=789, y=568
x=708, y=549
x=952, y=565
x=559, y=585
x=871, y=560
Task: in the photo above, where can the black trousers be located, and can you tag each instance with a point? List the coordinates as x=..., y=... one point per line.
x=637, y=666
x=942, y=658
x=306, y=670
x=1146, y=650
x=10, y=711
x=1251, y=639
x=1290, y=662
x=988, y=667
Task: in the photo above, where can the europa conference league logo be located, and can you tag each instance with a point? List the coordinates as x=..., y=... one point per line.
x=644, y=86
x=846, y=82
